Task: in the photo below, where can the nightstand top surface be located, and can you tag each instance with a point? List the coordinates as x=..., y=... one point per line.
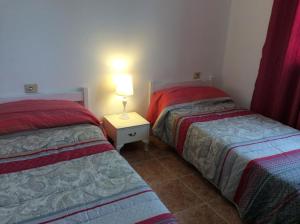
x=134, y=120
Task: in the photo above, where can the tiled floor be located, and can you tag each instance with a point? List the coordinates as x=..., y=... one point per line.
x=180, y=187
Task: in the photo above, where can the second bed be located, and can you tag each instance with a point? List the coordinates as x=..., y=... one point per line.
x=253, y=160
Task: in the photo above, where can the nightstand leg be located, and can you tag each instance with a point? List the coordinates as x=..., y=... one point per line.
x=118, y=147
x=146, y=141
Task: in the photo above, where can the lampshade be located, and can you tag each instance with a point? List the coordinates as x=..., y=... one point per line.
x=124, y=85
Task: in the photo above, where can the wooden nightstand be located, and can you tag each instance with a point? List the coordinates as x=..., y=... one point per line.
x=121, y=131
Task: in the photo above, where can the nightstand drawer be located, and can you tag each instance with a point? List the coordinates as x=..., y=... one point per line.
x=132, y=134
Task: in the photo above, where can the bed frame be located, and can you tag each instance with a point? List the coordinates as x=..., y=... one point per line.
x=79, y=95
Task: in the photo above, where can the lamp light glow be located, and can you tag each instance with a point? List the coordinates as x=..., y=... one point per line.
x=119, y=64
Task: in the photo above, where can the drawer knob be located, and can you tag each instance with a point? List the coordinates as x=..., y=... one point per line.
x=132, y=134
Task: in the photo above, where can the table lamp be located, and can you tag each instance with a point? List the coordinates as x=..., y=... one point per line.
x=124, y=88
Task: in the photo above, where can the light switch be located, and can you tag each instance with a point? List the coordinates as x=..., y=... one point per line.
x=197, y=75
x=31, y=88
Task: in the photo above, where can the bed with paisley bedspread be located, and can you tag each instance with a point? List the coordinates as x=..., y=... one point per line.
x=253, y=160
x=56, y=166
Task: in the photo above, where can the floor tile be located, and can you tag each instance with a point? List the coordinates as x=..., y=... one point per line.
x=159, y=152
x=176, y=196
x=177, y=165
x=135, y=152
x=201, y=214
x=153, y=172
x=200, y=186
x=226, y=210
x=156, y=142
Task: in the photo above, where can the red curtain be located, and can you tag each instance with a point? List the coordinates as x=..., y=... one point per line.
x=277, y=88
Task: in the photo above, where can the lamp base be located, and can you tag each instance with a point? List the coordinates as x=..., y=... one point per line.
x=124, y=116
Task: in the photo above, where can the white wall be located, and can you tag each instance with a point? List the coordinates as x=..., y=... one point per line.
x=248, y=23
x=61, y=44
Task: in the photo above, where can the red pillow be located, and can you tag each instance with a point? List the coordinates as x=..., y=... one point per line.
x=177, y=95
x=35, y=114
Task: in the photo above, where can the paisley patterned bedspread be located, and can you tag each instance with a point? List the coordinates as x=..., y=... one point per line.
x=71, y=174
x=253, y=160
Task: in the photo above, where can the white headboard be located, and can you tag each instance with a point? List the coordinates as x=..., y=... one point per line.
x=79, y=95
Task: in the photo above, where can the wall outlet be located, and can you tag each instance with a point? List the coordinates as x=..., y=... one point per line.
x=197, y=75
x=31, y=88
